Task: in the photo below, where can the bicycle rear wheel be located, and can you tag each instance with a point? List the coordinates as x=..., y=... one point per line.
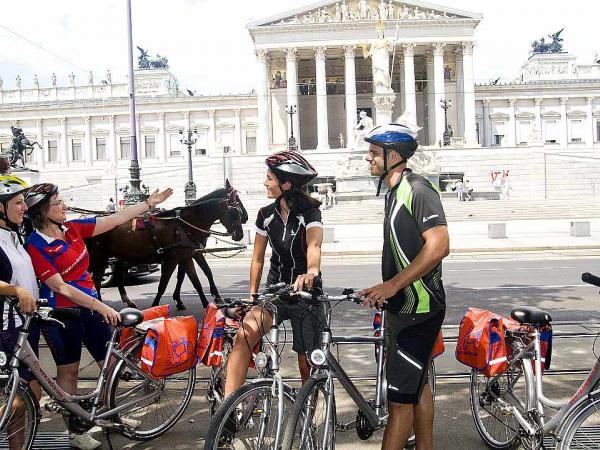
x=583, y=432
x=21, y=426
x=491, y=402
x=248, y=418
x=156, y=404
x=310, y=427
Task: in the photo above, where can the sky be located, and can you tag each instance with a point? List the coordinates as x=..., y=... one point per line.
x=210, y=50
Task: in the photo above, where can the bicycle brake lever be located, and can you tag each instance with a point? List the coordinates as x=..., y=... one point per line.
x=50, y=319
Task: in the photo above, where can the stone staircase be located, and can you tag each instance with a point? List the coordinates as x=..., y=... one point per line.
x=371, y=211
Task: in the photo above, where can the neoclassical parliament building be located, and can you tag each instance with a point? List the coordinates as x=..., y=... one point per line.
x=320, y=59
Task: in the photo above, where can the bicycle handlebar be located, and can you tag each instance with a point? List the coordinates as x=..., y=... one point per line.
x=590, y=279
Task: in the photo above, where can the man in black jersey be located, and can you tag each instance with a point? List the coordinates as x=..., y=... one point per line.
x=292, y=226
x=415, y=242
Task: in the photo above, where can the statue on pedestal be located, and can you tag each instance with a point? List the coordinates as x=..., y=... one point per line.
x=363, y=10
x=36, y=82
x=344, y=11
x=19, y=146
x=362, y=128
x=53, y=79
x=379, y=52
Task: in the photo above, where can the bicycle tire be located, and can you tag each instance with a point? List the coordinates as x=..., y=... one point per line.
x=242, y=405
x=295, y=435
x=28, y=415
x=156, y=415
x=582, y=427
x=497, y=427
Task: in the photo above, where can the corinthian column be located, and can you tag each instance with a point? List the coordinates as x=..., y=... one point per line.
x=410, y=101
x=87, y=149
x=291, y=60
x=64, y=150
x=468, y=102
x=262, y=92
x=439, y=90
x=350, y=84
x=162, y=138
x=512, y=130
x=486, y=135
x=564, y=137
x=112, y=142
x=322, y=122
x=40, y=139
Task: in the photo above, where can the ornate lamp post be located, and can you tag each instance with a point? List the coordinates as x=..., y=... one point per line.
x=133, y=194
x=291, y=110
x=226, y=150
x=445, y=104
x=190, y=140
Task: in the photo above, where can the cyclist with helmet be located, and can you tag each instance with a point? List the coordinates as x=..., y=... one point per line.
x=60, y=260
x=17, y=279
x=292, y=226
x=415, y=243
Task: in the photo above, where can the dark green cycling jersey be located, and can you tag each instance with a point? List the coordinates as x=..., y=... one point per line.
x=412, y=207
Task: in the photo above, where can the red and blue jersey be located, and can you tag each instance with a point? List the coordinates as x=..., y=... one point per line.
x=68, y=258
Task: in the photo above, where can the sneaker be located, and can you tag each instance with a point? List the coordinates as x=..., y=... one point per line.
x=83, y=441
x=131, y=423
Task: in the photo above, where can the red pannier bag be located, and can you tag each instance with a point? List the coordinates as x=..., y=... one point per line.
x=170, y=346
x=481, y=342
x=151, y=313
x=438, y=347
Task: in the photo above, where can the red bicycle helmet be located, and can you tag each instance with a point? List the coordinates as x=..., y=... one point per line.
x=38, y=194
x=290, y=166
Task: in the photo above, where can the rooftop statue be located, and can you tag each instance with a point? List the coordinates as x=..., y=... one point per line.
x=145, y=62
x=541, y=46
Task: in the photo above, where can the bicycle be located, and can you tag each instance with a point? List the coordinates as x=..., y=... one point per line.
x=313, y=421
x=252, y=417
x=508, y=408
x=126, y=399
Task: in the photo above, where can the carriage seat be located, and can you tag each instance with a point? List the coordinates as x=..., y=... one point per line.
x=131, y=317
x=530, y=314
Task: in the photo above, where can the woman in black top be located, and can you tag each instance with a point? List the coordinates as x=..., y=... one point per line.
x=292, y=226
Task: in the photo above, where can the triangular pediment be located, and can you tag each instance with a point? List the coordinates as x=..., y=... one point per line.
x=328, y=11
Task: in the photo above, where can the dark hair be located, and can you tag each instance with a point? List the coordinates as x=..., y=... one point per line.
x=40, y=212
x=299, y=201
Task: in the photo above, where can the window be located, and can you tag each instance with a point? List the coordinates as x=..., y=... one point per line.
x=175, y=145
x=125, y=147
x=597, y=130
x=201, y=143
x=524, y=132
x=100, y=148
x=576, y=131
x=498, y=132
x=477, y=132
x=551, y=131
x=250, y=142
x=76, y=153
x=52, y=150
x=225, y=138
x=150, y=146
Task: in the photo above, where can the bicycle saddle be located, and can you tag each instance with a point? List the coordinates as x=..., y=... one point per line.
x=131, y=317
x=530, y=314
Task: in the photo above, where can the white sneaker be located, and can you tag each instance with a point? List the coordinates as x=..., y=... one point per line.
x=83, y=441
x=131, y=423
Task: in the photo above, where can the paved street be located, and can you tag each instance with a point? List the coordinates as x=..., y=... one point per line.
x=549, y=280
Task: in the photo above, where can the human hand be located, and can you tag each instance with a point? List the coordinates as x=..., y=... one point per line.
x=377, y=296
x=158, y=197
x=110, y=315
x=304, y=281
x=27, y=303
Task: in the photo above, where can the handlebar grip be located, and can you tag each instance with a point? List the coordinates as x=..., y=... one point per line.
x=65, y=313
x=590, y=279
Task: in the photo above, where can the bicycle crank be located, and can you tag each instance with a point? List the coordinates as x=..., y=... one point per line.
x=364, y=430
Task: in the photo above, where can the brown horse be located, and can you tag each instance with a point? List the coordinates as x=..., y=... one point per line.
x=169, y=237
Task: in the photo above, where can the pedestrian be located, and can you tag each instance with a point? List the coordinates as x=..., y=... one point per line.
x=112, y=206
x=468, y=190
x=505, y=188
x=460, y=190
x=415, y=243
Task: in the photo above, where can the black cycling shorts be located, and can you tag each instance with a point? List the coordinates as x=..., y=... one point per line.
x=8, y=339
x=409, y=340
x=88, y=329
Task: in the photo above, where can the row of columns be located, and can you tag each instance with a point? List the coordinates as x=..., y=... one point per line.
x=511, y=138
x=435, y=72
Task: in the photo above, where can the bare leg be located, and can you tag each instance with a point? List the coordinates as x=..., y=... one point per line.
x=304, y=367
x=256, y=323
x=399, y=426
x=424, y=420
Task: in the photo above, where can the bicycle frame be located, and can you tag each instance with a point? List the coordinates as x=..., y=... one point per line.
x=24, y=354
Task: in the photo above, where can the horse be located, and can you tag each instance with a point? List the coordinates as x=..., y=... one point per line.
x=169, y=237
x=199, y=256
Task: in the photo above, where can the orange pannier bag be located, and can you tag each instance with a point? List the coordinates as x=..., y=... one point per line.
x=170, y=346
x=438, y=347
x=481, y=344
x=151, y=313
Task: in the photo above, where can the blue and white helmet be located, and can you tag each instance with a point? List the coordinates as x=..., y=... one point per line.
x=394, y=136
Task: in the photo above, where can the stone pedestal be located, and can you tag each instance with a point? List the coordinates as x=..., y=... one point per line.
x=361, y=183
x=580, y=229
x=384, y=105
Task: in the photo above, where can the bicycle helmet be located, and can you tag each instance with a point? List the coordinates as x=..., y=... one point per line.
x=38, y=195
x=10, y=187
x=394, y=136
x=290, y=166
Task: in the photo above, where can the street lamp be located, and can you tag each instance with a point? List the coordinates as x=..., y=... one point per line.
x=226, y=150
x=291, y=110
x=133, y=194
x=190, y=140
x=445, y=104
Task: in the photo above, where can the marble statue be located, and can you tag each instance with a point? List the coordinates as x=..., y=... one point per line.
x=404, y=13
x=337, y=17
x=362, y=127
x=424, y=163
x=363, y=9
x=1, y=83
x=325, y=17
x=379, y=52
x=53, y=79
x=72, y=79
x=18, y=79
x=91, y=78
x=345, y=12
x=341, y=140
x=390, y=9
x=317, y=17
x=108, y=77
x=383, y=11
x=36, y=82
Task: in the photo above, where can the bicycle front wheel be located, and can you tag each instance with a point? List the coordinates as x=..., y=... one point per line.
x=248, y=418
x=21, y=425
x=491, y=402
x=583, y=432
x=155, y=405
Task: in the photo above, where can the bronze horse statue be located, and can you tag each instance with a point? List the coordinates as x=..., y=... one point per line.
x=19, y=146
x=169, y=237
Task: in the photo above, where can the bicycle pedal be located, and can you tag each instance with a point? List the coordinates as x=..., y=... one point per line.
x=54, y=407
